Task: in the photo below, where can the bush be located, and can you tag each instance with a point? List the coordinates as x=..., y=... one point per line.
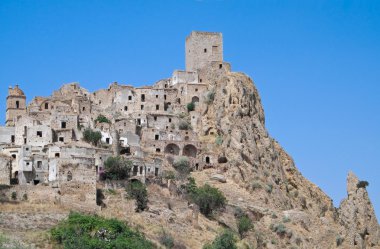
x=168, y=175
x=244, y=224
x=93, y=232
x=191, y=186
x=226, y=240
x=256, y=185
x=184, y=125
x=166, y=240
x=280, y=229
x=182, y=165
x=91, y=136
x=219, y=140
x=25, y=197
x=117, y=168
x=14, y=195
x=210, y=97
x=137, y=190
x=208, y=199
x=362, y=184
x=269, y=188
x=190, y=107
x=102, y=119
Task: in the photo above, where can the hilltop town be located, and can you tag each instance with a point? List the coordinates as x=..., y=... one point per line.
x=53, y=152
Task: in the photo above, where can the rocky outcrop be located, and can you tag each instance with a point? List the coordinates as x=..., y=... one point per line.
x=357, y=216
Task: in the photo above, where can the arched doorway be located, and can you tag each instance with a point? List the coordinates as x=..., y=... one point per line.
x=190, y=150
x=172, y=149
x=195, y=99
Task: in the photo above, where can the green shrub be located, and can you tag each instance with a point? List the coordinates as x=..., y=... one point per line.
x=269, y=188
x=184, y=125
x=91, y=136
x=226, y=240
x=208, y=199
x=190, y=106
x=93, y=232
x=219, y=140
x=117, y=168
x=256, y=185
x=102, y=119
x=166, y=240
x=168, y=174
x=25, y=197
x=362, y=184
x=14, y=195
x=244, y=224
x=191, y=186
x=286, y=219
x=280, y=229
x=182, y=165
x=210, y=97
x=137, y=190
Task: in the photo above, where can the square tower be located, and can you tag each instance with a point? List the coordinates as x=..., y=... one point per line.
x=201, y=48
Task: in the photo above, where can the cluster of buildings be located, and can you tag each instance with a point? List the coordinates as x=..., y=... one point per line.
x=42, y=142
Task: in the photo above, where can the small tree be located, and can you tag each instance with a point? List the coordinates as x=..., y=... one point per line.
x=182, y=165
x=244, y=224
x=226, y=240
x=208, y=199
x=190, y=107
x=91, y=136
x=137, y=191
x=362, y=184
x=102, y=119
x=117, y=168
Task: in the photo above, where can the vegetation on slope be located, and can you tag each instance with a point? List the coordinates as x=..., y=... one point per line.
x=93, y=232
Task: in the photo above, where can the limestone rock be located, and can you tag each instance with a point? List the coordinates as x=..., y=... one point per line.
x=357, y=216
x=219, y=178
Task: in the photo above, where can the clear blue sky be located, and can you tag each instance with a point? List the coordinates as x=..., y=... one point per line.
x=316, y=65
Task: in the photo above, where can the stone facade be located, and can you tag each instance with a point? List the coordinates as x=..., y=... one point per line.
x=151, y=126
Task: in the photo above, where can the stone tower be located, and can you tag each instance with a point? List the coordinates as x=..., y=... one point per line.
x=16, y=105
x=201, y=48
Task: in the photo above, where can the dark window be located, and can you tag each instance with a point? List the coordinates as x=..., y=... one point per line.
x=139, y=121
x=84, y=108
x=125, y=108
x=61, y=139
x=157, y=107
x=129, y=97
x=155, y=118
x=14, y=156
x=142, y=97
x=156, y=96
x=46, y=106
x=63, y=125
x=165, y=97
x=56, y=155
x=17, y=104
x=220, y=66
x=12, y=138
x=207, y=159
x=24, y=140
x=200, y=80
x=39, y=164
x=142, y=107
x=39, y=133
x=170, y=120
x=156, y=137
x=166, y=86
x=141, y=170
x=158, y=150
x=156, y=171
x=27, y=163
x=205, y=50
x=107, y=140
x=196, y=89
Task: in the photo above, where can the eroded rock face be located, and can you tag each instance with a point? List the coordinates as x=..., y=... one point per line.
x=257, y=163
x=357, y=216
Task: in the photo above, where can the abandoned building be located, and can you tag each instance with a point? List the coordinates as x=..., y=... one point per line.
x=42, y=142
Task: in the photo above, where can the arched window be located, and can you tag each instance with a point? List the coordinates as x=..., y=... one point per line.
x=190, y=150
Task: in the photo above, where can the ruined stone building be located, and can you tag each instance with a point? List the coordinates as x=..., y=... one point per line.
x=42, y=142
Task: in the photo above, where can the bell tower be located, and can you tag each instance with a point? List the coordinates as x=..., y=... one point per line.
x=16, y=105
